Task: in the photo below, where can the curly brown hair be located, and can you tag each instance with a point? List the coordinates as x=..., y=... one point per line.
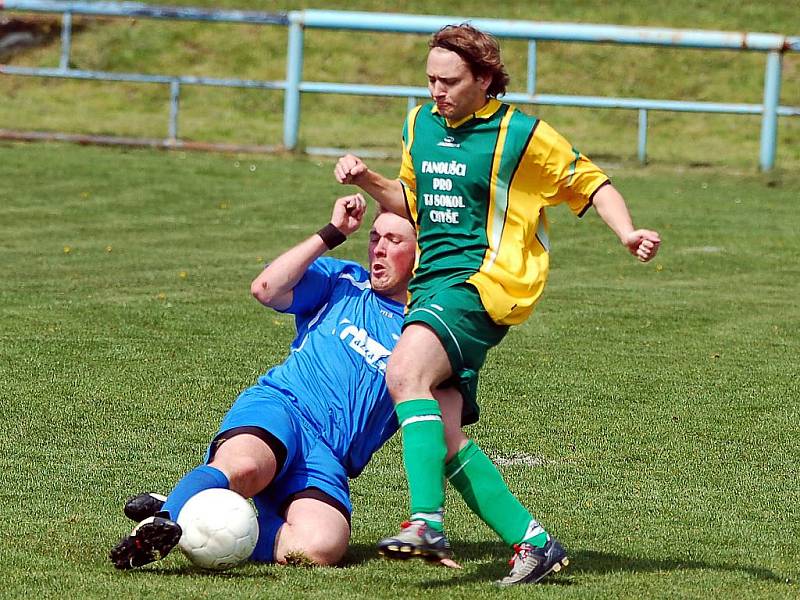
x=479, y=50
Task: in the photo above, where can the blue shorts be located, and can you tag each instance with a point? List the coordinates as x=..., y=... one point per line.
x=310, y=464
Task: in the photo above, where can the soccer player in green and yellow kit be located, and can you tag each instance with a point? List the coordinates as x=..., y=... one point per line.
x=476, y=177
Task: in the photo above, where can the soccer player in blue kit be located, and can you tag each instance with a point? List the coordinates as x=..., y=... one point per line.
x=291, y=441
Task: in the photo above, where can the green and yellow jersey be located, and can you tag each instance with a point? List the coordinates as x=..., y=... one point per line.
x=476, y=190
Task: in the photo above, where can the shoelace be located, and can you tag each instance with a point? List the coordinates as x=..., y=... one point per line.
x=407, y=524
x=521, y=552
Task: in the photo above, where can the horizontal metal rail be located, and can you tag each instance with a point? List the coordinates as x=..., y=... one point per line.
x=358, y=89
x=138, y=9
x=563, y=32
x=403, y=23
x=397, y=91
x=775, y=45
x=141, y=78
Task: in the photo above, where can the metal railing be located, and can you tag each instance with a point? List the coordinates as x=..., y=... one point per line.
x=774, y=45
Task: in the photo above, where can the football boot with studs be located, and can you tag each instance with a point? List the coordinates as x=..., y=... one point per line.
x=416, y=540
x=150, y=540
x=531, y=564
x=148, y=504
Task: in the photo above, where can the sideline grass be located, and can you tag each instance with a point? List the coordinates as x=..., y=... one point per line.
x=647, y=413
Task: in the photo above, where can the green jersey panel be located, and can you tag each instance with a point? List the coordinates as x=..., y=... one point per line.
x=453, y=170
x=477, y=192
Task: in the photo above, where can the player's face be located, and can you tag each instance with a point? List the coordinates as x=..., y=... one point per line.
x=392, y=249
x=456, y=91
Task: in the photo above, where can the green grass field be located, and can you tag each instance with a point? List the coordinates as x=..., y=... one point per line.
x=646, y=413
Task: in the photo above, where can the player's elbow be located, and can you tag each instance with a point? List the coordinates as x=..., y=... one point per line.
x=262, y=291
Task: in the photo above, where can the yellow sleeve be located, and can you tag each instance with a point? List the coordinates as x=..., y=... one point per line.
x=407, y=177
x=564, y=174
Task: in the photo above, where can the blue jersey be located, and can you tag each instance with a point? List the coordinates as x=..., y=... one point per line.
x=335, y=374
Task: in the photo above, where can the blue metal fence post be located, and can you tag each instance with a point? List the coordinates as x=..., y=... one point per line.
x=642, y=145
x=174, y=107
x=769, y=120
x=66, y=40
x=532, y=67
x=294, y=74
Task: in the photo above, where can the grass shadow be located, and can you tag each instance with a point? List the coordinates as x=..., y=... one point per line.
x=358, y=553
x=592, y=561
x=493, y=565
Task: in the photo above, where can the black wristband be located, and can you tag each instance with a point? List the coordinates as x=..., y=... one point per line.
x=332, y=236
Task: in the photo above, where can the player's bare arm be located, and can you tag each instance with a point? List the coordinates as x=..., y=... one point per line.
x=610, y=205
x=273, y=287
x=350, y=169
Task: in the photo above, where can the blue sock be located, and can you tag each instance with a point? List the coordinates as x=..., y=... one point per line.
x=201, y=478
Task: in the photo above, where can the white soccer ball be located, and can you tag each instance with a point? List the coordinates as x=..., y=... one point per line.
x=220, y=529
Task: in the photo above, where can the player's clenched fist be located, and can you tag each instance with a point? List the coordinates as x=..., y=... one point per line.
x=643, y=244
x=349, y=168
x=348, y=212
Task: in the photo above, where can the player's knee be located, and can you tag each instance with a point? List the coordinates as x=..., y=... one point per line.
x=402, y=375
x=326, y=552
x=395, y=383
x=247, y=461
x=246, y=475
x=301, y=544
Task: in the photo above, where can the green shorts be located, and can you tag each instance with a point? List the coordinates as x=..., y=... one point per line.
x=458, y=318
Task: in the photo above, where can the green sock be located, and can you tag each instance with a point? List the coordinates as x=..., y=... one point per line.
x=424, y=452
x=483, y=489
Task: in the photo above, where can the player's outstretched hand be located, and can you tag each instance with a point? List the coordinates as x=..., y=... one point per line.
x=349, y=168
x=348, y=213
x=643, y=243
